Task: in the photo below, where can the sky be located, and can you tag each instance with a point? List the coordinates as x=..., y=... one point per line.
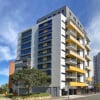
x=17, y=15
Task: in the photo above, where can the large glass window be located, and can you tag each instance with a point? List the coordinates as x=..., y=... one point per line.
x=26, y=33
x=26, y=51
x=27, y=45
x=47, y=37
x=26, y=39
x=45, y=24
x=26, y=56
x=44, y=66
x=43, y=45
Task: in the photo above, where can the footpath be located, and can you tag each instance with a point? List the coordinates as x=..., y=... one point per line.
x=73, y=96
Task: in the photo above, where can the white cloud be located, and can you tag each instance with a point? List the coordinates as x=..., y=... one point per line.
x=8, y=41
x=94, y=34
x=93, y=29
x=6, y=53
x=4, y=72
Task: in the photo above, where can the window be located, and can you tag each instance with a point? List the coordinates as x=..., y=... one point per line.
x=26, y=51
x=44, y=65
x=74, y=18
x=27, y=45
x=63, y=35
x=63, y=21
x=26, y=39
x=63, y=28
x=62, y=11
x=48, y=72
x=26, y=33
x=63, y=50
x=45, y=58
x=45, y=51
x=45, y=44
x=58, y=12
x=70, y=13
x=63, y=43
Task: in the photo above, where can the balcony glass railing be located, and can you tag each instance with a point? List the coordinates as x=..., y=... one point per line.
x=72, y=54
x=71, y=61
x=71, y=46
x=72, y=25
x=71, y=39
x=71, y=32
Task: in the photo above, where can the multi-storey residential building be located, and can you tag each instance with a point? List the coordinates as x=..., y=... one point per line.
x=96, y=63
x=58, y=45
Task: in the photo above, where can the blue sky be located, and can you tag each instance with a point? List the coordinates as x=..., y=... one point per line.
x=16, y=15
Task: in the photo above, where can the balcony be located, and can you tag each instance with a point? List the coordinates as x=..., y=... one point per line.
x=71, y=39
x=23, y=63
x=73, y=26
x=88, y=57
x=70, y=32
x=76, y=69
x=77, y=84
x=88, y=47
x=72, y=54
x=71, y=61
x=71, y=47
x=88, y=68
x=89, y=79
x=71, y=77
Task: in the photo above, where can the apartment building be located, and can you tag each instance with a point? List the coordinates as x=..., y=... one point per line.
x=58, y=44
x=96, y=62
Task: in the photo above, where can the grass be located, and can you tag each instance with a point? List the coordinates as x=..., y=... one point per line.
x=28, y=95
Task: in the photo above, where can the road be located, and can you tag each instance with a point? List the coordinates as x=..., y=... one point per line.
x=84, y=97
x=93, y=97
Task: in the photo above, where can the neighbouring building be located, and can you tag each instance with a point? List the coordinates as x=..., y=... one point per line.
x=11, y=72
x=58, y=44
x=96, y=62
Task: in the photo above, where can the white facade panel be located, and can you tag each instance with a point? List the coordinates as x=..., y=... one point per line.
x=34, y=46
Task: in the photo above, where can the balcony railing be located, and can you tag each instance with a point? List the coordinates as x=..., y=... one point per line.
x=72, y=54
x=75, y=69
x=68, y=76
x=71, y=39
x=88, y=57
x=71, y=32
x=88, y=68
x=71, y=61
x=88, y=47
x=71, y=47
x=72, y=25
x=89, y=79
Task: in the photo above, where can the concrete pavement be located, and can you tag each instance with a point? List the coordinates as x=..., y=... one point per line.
x=3, y=98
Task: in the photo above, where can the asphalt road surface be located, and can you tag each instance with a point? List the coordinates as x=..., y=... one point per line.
x=92, y=97
x=80, y=97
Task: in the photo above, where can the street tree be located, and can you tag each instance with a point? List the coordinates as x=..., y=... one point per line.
x=30, y=78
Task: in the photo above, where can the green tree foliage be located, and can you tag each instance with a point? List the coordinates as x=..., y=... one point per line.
x=4, y=88
x=30, y=78
x=97, y=85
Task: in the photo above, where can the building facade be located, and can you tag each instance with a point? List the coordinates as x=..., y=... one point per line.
x=11, y=72
x=58, y=45
x=96, y=60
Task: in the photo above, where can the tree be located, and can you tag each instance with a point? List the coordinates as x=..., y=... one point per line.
x=30, y=78
x=4, y=88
